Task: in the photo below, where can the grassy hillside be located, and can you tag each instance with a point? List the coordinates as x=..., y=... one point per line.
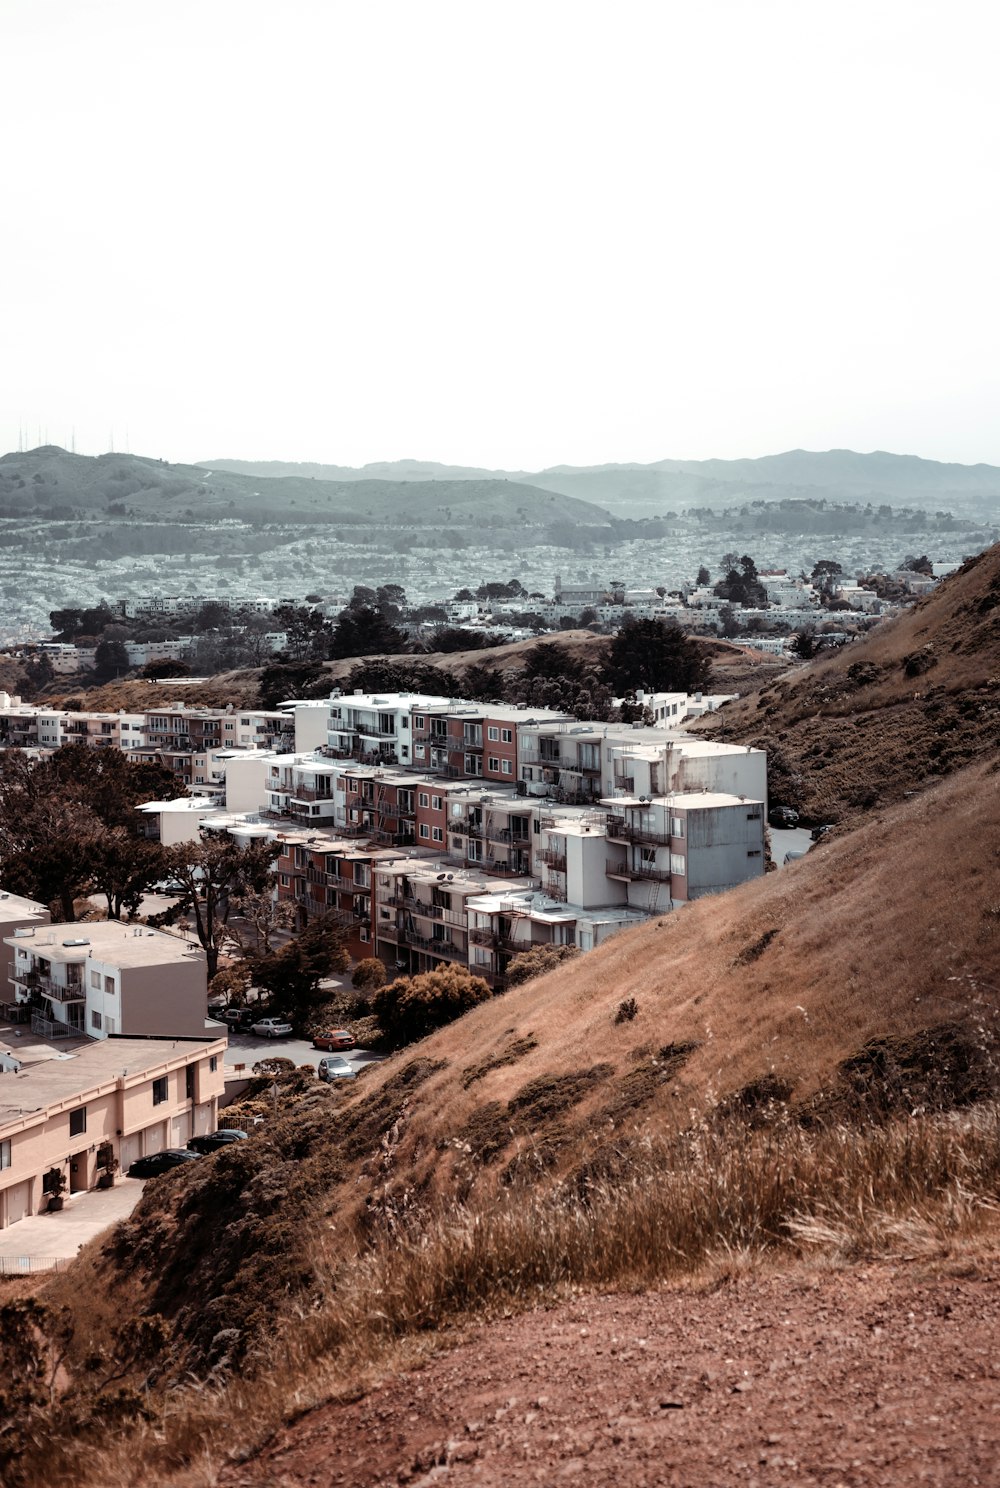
x=51, y=480
x=872, y=722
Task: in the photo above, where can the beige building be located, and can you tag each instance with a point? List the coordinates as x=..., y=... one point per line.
x=121, y=1097
x=15, y=914
x=108, y=978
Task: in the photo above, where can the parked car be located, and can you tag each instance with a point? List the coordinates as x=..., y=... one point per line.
x=818, y=832
x=215, y=1141
x=782, y=816
x=334, y=1068
x=271, y=1028
x=793, y=854
x=336, y=1038
x=239, y=1018
x=161, y=1162
x=170, y=886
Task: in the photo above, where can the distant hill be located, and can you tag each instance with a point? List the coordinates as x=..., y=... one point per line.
x=50, y=480
x=634, y=490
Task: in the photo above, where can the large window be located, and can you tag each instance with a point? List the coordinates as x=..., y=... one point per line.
x=78, y=1121
x=5, y=1154
x=160, y=1090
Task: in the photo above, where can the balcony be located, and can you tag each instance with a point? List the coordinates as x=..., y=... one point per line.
x=447, y=949
x=532, y=754
x=632, y=871
x=553, y=859
x=621, y=830
x=309, y=793
x=625, y=784
x=57, y=991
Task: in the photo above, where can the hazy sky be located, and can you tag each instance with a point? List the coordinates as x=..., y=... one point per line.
x=514, y=233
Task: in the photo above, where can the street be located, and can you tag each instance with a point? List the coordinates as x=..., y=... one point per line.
x=787, y=839
x=245, y=1049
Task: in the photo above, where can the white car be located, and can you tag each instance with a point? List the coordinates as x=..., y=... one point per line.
x=271, y=1028
x=334, y=1068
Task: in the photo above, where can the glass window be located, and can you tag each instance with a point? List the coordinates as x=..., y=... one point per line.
x=95, y=980
x=493, y=734
x=435, y=803
x=5, y=1154
x=506, y=736
x=493, y=764
x=678, y=863
x=78, y=1121
x=423, y=798
x=95, y=1018
x=109, y=986
x=437, y=834
x=424, y=829
x=160, y=1090
x=189, y=1082
x=213, y=1062
x=506, y=767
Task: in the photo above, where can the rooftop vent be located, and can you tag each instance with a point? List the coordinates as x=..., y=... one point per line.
x=77, y=940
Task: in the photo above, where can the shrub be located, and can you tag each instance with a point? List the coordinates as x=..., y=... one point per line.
x=627, y=1010
x=536, y=962
x=411, y=1007
x=368, y=974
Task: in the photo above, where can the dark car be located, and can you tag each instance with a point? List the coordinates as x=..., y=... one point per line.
x=818, y=832
x=239, y=1019
x=161, y=1162
x=215, y=1141
x=782, y=816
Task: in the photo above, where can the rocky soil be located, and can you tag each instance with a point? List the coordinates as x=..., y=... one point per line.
x=858, y=1378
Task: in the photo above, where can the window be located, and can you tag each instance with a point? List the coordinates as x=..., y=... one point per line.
x=95, y=980
x=160, y=1090
x=363, y=935
x=677, y=826
x=436, y=803
x=424, y=830
x=437, y=834
x=78, y=1121
x=506, y=736
x=420, y=751
x=352, y=786
x=109, y=986
x=493, y=764
x=418, y=720
x=493, y=734
x=284, y=880
x=457, y=844
x=506, y=767
x=678, y=863
x=189, y=1082
x=213, y=1062
x=95, y=1018
x=753, y=852
x=423, y=799
x=5, y=1154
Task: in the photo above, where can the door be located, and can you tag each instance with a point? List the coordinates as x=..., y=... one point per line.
x=131, y=1148
x=154, y=1138
x=203, y=1118
x=17, y=1205
x=181, y=1129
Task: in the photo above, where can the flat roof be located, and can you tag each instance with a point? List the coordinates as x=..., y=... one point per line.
x=74, y=1072
x=110, y=941
x=179, y=803
x=15, y=905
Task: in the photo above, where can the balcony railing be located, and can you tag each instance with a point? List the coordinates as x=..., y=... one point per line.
x=530, y=754
x=310, y=793
x=632, y=871
x=621, y=830
x=58, y=991
x=448, y=949
x=552, y=858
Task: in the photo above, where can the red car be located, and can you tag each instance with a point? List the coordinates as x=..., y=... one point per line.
x=337, y=1038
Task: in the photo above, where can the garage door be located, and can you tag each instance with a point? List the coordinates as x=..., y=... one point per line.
x=18, y=1201
x=203, y=1118
x=153, y=1138
x=131, y=1148
x=181, y=1129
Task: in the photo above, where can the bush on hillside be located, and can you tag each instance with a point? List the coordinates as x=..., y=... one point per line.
x=536, y=962
x=368, y=974
x=411, y=1007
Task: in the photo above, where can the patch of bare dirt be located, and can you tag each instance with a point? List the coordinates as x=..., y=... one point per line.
x=863, y=1378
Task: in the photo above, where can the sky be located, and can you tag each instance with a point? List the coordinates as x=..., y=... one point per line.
x=508, y=233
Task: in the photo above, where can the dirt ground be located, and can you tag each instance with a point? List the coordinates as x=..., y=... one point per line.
x=884, y=1375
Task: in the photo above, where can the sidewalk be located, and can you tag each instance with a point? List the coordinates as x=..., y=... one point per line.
x=43, y=1241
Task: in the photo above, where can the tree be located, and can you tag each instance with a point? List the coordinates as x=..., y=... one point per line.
x=657, y=656
x=110, y=660
x=535, y=963
x=71, y=816
x=214, y=874
x=368, y=974
x=805, y=643
x=365, y=632
x=256, y=915
x=165, y=668
x=704, y=577
x=293, y=974
x=232, y=983
x=411, y=1007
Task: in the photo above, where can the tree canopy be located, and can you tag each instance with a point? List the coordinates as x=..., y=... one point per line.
x=658, y=656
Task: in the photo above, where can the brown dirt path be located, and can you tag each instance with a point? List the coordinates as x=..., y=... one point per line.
x=845, y=1379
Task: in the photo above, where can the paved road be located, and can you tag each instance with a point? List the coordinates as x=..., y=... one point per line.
x=244, y=1049
x=36, y=1243
x=784, y=839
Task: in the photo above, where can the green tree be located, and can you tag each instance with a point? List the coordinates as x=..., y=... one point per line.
x=365, y=632
x=110, y=660
x=704, y=577
x=657, y=656
x=215, y=873
x=292, y=975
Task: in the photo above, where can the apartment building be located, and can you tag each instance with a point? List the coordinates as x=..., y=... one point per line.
x=108, y=978
x=374, y=727
x=120, y=1098
x=421, y=913
x=16, y=914
x=683, y=846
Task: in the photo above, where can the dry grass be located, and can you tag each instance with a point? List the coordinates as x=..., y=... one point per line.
x=670, y=1212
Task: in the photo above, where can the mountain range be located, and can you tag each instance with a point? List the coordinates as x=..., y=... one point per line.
x=635, y=490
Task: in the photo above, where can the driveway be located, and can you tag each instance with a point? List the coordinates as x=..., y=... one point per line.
x=42, y=1241
x=244, y=1049
x=785, y=839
